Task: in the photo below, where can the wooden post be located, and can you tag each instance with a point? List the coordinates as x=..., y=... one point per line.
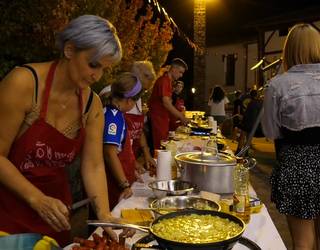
x=199, y=62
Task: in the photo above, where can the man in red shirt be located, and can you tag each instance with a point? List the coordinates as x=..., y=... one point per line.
x=178, y=103
x=160, y=102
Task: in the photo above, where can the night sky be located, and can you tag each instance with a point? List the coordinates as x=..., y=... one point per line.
x=229, y=21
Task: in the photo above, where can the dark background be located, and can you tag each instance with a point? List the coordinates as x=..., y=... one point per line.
x=230, y=21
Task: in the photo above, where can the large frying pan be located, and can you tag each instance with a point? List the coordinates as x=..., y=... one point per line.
x=173, y=245
x=221, y=245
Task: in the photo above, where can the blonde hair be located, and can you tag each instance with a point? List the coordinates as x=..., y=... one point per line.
x=302, y=46
x=145, y=72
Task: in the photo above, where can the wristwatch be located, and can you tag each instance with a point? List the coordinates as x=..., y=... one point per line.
x=125, y=184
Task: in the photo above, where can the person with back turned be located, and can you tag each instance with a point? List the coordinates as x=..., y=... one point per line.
x=160, y=102
x=291, y=117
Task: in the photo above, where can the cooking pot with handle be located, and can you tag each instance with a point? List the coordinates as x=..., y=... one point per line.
x=210, y=172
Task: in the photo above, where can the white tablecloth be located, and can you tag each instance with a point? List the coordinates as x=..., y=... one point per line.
x=260, y=229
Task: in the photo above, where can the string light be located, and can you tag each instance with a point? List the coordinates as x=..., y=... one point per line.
x=179, y=31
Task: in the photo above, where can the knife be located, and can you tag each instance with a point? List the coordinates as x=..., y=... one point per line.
x=81, y=203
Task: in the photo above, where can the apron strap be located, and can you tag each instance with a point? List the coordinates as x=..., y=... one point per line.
x=45, y=101
x=49, y=80
x=81, y=108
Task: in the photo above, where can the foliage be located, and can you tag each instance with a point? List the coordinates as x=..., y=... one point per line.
x=28, y=28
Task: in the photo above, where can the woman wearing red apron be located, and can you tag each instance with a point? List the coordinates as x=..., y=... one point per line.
x=134, y=118
x=145, y=72
x=44, y=126
x=119, y=157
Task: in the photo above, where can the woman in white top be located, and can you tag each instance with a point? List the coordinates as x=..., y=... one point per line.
x=217, y=103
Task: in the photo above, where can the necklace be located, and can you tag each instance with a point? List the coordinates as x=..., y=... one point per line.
x=65, y=104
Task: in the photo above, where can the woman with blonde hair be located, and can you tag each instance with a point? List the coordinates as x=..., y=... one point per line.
x=291, y=118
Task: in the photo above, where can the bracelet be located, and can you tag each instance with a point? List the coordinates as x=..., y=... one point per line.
x=125, y=184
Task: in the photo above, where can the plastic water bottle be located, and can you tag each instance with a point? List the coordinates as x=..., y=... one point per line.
x=241, y=199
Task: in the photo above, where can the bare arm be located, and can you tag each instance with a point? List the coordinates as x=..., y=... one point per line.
x=16, y=92
x=167, y=103
x=149, y=161
x=92, y=163
x=111, y=153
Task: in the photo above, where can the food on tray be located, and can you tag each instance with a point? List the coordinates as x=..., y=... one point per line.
x=255, y=205
x=179, y=137
x=137, y=215
x=196, y=228
x=98, y=243
x=183, y=129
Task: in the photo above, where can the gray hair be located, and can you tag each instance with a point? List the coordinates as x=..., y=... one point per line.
x=89, y=31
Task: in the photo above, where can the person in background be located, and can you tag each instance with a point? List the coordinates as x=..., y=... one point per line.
x=178, y=103
x=135, y=119
x=117, y=148
x=250, y=116
x=217, y=103
x=48, y=116
x=160, y=102
x=237, y=114
x=291, y=118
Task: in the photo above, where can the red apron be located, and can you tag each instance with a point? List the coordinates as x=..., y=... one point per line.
x=160, y=129
x=135, y=127
x=41, y=155
x=175, y=122
x=127, y=160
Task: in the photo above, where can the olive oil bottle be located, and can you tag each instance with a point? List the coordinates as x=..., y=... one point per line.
x=241, y=202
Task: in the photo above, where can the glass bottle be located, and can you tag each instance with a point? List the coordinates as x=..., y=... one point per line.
x=241, y=200
x=171, y=146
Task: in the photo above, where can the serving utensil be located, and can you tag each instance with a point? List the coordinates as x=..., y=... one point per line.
x=81, y=203
x=106, y=223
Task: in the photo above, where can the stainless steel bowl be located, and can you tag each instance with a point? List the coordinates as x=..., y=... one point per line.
x=171, y=187
x=173, y=203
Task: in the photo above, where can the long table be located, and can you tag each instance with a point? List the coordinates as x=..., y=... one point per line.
x=260, y=229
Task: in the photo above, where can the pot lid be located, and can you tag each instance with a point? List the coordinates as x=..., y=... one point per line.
x=206, y=158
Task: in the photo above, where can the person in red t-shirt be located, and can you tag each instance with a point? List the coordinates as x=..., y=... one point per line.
x=160, y=102
x=178, y=102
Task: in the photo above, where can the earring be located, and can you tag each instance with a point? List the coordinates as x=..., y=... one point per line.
x=68, y=50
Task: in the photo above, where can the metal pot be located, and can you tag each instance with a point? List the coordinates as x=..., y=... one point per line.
x=176, y=203
x=210, y=172
x=171, y=187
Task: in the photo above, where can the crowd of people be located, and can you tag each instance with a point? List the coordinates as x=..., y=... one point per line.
x=50, y=115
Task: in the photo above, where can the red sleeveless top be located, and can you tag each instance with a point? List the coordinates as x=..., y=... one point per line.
x=41, y=155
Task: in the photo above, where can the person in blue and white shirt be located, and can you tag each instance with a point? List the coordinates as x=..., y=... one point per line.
x=117, y=148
